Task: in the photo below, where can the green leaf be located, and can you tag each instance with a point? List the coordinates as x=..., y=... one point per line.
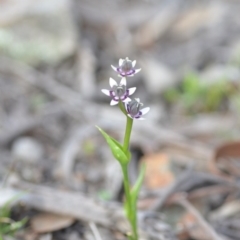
x=116, y=148
x=17, y=225
x=126, y=209
x=136, y=188
x=128, y=154
x=5, y=210
x=7, y=225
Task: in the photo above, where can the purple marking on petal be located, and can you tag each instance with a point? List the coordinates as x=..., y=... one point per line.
x=131, y=71
x=116, y=98
x=125, y=96
x=138, y=115
x=140, y=119
x=112, y=93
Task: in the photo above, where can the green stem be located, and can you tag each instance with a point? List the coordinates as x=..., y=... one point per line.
x=128, y=131
x=130, y=205
x=122, y=108
x=126, y=188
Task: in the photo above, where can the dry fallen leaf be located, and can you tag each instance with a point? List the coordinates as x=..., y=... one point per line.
x=226, y=161
x=158, y=171
x=190, y=226
x=49, y=222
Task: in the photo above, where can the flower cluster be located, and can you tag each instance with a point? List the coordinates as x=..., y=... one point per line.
x=120, y=92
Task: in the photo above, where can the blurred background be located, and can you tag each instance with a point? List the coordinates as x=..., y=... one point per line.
x=56, y=56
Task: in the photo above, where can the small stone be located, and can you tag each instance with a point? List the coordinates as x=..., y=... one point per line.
x=27, y=149
x=40, y=31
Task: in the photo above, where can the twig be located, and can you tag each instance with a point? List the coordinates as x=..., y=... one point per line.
x=171, y=189
x=181, y=199
x=72, y=204
x=95, y=231
x=28, y=124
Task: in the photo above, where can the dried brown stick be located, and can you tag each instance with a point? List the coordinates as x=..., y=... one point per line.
x=9, y=135
x=72, y=204
x=182, y=184
x=182, y=200
x=52, y=110
x=70, y=97
x=213, y=190
x=38, y=79
x=171, y=189
x=45, y=82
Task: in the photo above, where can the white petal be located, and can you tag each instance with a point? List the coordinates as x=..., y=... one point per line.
x=114, y=68
x=130, y=116
x=145, y=110
x=120, y=62
x=125, y=104
x=127, y=100
x=106, y=92
x=140, y=118
x=132, y=90
x=134, y=63
x=123, y=81
x=113, y=102
x=137, y=99
x=112, y=82
x=138, y=70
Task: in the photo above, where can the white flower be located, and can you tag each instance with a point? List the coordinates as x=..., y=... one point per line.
x=134, y=110
x=118, y=92
x=126, y=68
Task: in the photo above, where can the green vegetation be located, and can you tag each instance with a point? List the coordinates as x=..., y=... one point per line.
x=7, y=225
x=194, y=96
x=104, y=195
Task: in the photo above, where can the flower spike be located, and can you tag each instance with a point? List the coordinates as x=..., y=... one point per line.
x=134, y=109
x=118, y=92
x=126, y=68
